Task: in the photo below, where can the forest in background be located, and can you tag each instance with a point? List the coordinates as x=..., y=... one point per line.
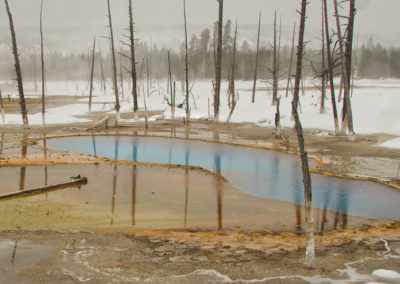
x=371, y=61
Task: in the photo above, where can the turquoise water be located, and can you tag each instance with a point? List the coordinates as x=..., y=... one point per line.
x=261, y=173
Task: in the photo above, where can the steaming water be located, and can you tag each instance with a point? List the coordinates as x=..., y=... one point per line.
x=262, y=173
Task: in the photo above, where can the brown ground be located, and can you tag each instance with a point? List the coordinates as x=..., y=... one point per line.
x=201, y=257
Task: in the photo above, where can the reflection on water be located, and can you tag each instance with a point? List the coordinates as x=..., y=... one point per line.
x=2, y=144
x=147, y=198
x=261, y=173
x=24, y=152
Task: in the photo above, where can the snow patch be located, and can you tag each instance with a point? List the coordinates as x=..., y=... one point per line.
x=393, y=143
x=387, y=275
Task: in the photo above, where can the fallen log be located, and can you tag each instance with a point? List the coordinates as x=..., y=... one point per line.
x=99, y=123
x=75, y=182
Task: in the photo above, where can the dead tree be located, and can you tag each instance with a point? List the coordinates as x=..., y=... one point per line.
x=233, y=97
x=253, y=99
x=17, y=68
x=121, y=79
x=42, y=62
x=2, y=107
x=310, y=252
x=186, y=65
x=91, y=76
x=330, y=69
x=345, y=54
x=133, y=62
x=275, y=67
x=289, y=79
x=172, y=87
x=114, y=64
x=231, y=89
x=35, y=70
x=103, y=78
x=323, y=71
x=347, y=110
x=278, y=119
x=218, y=67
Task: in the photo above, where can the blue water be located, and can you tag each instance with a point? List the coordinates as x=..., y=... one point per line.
x=262, y=173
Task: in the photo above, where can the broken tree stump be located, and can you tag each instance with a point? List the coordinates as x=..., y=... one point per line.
x=99, y=124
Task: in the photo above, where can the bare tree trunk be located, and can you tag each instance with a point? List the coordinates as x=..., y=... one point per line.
x=133, y=62
x=148, y=75
x=2, y=108
x=347, y=111
x=253, y=99
x=186, y=65
x=234, y=97
x=35, y=70
x=330, y=67
x=310, y=252
x=275, y=67
x=231, y=93
x=171, y=87
x=121, y=79
x=114, y=64
x=278, y=119
x=17, y=69
x=291, y=62
x=103, y=78
x=323, y=73
x=42, y=62
x=346, y=122
x=91, y=76
x=218, y=62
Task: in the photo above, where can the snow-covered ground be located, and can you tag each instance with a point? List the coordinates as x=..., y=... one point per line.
x=375, y=103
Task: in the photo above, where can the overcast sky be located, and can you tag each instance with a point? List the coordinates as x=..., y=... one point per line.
x=375, y=17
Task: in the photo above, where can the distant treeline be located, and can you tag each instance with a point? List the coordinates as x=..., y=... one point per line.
x=370, y=61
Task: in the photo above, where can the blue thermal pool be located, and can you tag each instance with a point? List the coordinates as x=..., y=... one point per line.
x=258, y=172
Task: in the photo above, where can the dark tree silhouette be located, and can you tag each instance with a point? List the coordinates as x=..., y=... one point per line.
x=310, y=252
x=17, y=68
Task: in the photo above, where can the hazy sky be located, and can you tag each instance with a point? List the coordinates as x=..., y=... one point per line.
x=375, y=17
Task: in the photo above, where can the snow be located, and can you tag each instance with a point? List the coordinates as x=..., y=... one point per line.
x=388, y=275
x=375, y=105
x=392, y=143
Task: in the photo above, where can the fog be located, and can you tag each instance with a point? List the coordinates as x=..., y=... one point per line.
x=70, y=24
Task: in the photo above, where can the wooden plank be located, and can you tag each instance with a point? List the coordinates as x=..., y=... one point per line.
x=75, y=182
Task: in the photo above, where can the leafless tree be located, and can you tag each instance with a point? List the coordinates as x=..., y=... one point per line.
x=2, y=107
x=186, y=66
x=121, y=79
x=276, y=64
x=172, y=88
x=218, y=67
x=323, y=70
x=330, y=69
x=114, y=64
x=17, y=68
x=91, y=76
x=345, y=49
x=35, y=69
x=103, y=78
x=133, y=62
x=310, y=251
x=253, y=99
x=289, y=79
x=233, y=97
x=42, y=62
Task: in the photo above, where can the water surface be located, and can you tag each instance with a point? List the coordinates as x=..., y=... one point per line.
x=258, y=172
